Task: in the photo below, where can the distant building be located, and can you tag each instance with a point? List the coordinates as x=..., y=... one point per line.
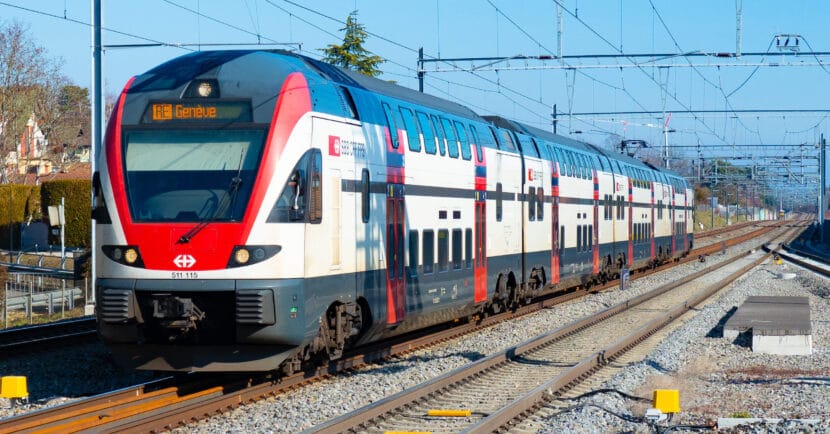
x=28, y=158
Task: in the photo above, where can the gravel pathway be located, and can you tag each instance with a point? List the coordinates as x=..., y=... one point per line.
x=716, y=377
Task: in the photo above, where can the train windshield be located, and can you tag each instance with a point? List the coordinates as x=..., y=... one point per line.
x=191, y=175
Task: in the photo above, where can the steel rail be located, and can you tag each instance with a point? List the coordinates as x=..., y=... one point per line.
x=110, y=412
x=355, y=421
x=37, y=336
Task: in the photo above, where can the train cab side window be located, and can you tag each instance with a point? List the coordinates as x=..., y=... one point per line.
x=365, y=191
x=540, y=204
x=579, y=238
x=412, y=135
x=426, y=130
x=452, y=143
x=301, y=197
x=462, y=138
x=499, y=209
x=413, y=253
x=390, y=121
x=429, y=252
x=561, y=239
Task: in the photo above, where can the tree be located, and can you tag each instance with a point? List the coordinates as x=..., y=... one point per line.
x=31, y=84
x=351, y=54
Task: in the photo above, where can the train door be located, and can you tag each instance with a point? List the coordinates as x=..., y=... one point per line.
x=395, y=247
x=555, y=262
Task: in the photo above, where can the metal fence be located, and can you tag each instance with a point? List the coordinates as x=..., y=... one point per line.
x=30, y=297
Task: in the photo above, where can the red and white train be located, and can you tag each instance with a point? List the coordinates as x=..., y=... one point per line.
x=260, y=209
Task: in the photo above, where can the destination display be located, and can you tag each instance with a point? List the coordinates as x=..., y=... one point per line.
x=197, y=111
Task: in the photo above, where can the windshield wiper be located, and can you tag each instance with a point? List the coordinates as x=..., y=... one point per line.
x=226, y=204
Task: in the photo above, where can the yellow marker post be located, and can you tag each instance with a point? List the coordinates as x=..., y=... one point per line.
x=449, y=413
x=667, y=400
x=14, y=388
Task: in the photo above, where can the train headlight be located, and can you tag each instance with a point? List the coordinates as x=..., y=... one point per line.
x=202, y=88
x=242, y=256
x=205, y=89
x=249, y=255
x=125, y=255
x=130, y=255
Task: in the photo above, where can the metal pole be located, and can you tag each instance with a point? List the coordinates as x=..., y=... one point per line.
x=555, y=121
x=11, y=232
x=738, y=13
x=559, y=34
x=421, y=69
x=97, y=118
x=63, y=224
x=822, y=186
x=666, y=136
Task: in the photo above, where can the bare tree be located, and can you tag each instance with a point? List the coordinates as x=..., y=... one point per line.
x=27, y=75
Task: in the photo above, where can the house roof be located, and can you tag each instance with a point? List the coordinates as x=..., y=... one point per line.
x=70, y=171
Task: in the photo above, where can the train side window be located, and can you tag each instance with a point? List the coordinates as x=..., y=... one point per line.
x=531, y=203
x=468, y=248
x=579, y=238
x=457, y=245
x=439, y=133
x=346, y=96
x=413, y=253
x=494, y=136
x=561, y=239
x=428, y=261
x=477, y=143
x=499, y=204
x=585, y=237
x=563, y=165
x=426, y=130
x=390, y=120
x=507, y=141
x=540, y=204
x=364, y=196
x=412, y=135
x=443, y=250
x=462, y=138
x=590, y=237
x=452, y=142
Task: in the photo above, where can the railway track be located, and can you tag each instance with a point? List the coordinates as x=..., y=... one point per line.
x=46, y=335
x=490, y=394
x=160, y=406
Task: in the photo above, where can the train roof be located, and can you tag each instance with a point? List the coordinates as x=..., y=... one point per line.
x=376, y=85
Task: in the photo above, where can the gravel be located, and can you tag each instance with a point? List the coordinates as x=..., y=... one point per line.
x=716, y=377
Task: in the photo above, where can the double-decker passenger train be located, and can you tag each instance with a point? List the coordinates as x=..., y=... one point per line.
x=257, y=210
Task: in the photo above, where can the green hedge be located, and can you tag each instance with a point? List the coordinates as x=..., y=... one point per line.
x=76, y=194
x=25, y=204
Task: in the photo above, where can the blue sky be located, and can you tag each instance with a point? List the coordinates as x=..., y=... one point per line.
x=481, y=28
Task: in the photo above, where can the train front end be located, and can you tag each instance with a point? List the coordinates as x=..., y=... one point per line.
x=184, y=178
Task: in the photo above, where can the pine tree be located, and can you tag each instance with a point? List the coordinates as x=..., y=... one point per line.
x=351, y=54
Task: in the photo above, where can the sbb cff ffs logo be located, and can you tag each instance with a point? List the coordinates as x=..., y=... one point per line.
x=184, y=261
x=334, y=146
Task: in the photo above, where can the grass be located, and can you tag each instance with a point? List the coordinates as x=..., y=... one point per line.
x=18, y=318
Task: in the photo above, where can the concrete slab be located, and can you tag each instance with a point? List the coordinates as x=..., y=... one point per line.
x=779, y=325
